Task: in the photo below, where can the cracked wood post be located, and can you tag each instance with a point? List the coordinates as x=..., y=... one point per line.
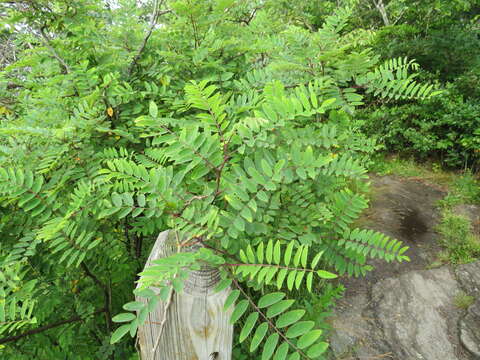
x=196, y=325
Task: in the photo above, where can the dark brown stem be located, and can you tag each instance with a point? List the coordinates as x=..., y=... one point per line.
x=138, y=246
x=272, y=266
x=46, y=42
x=156, y=14
x=106, y=293
x=46, y=327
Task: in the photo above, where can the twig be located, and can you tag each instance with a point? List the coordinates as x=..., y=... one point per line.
x=106, y=292
x=270, y=266
x=189, y=202
x=381, y=9
x=208, y=162
x=156, y=14
x=46, y=327
x=46, y=42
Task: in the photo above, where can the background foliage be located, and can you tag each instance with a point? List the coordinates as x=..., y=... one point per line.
x=443, y=37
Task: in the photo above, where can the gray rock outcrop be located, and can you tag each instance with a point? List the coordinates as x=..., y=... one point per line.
x=468, y=276
x=417, y=314
x=411, y=317
x=409, y=311
x=469, y=328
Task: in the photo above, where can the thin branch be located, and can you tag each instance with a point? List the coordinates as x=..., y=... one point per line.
x=195, y=34
x=11, y=86
x=106, y=292
x=218, y=250
x=271, y=266
x=138, y=245
x=46, y=42
x=399, y=16
x=381, y=9
x=153, y=22
x=46, y=327
x=189, y=202
x=252, y=15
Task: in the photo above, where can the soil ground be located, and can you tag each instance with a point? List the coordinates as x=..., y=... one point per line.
x=404, y=209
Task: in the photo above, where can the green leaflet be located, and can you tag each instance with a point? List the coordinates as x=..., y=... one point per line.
x=277, y=253
x=222, y=285
x=317, y=349
x=260, y=253
x=299, y=329
x=279, y=307
x=288, y=253
x=231, y=298
x=119, y=333
x=270, y=299
x=124, y=317
x=326, y=275
x=248, y=326
x=282, y=352
x=269, y=347
x=153, y=109
x=239, y=310
x=289, y=318
x=258, y=336
x=308, y=339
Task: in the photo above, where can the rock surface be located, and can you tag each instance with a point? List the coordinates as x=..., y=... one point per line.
x=417, y=314
x=468, y=276
x=408, y=311
x=469, y=328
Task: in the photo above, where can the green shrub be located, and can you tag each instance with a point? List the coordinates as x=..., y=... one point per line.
x=446, y=127
x=456, y=41
x=463, y=301
x=467, y=187
x=457, y=238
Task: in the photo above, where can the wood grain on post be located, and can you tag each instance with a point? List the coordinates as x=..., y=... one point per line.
x=196, y=326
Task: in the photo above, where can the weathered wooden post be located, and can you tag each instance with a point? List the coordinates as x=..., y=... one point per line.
x=196, y=327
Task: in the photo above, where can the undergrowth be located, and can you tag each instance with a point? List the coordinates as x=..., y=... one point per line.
x=463, y=301
x=393, y=164
x=456, y=236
